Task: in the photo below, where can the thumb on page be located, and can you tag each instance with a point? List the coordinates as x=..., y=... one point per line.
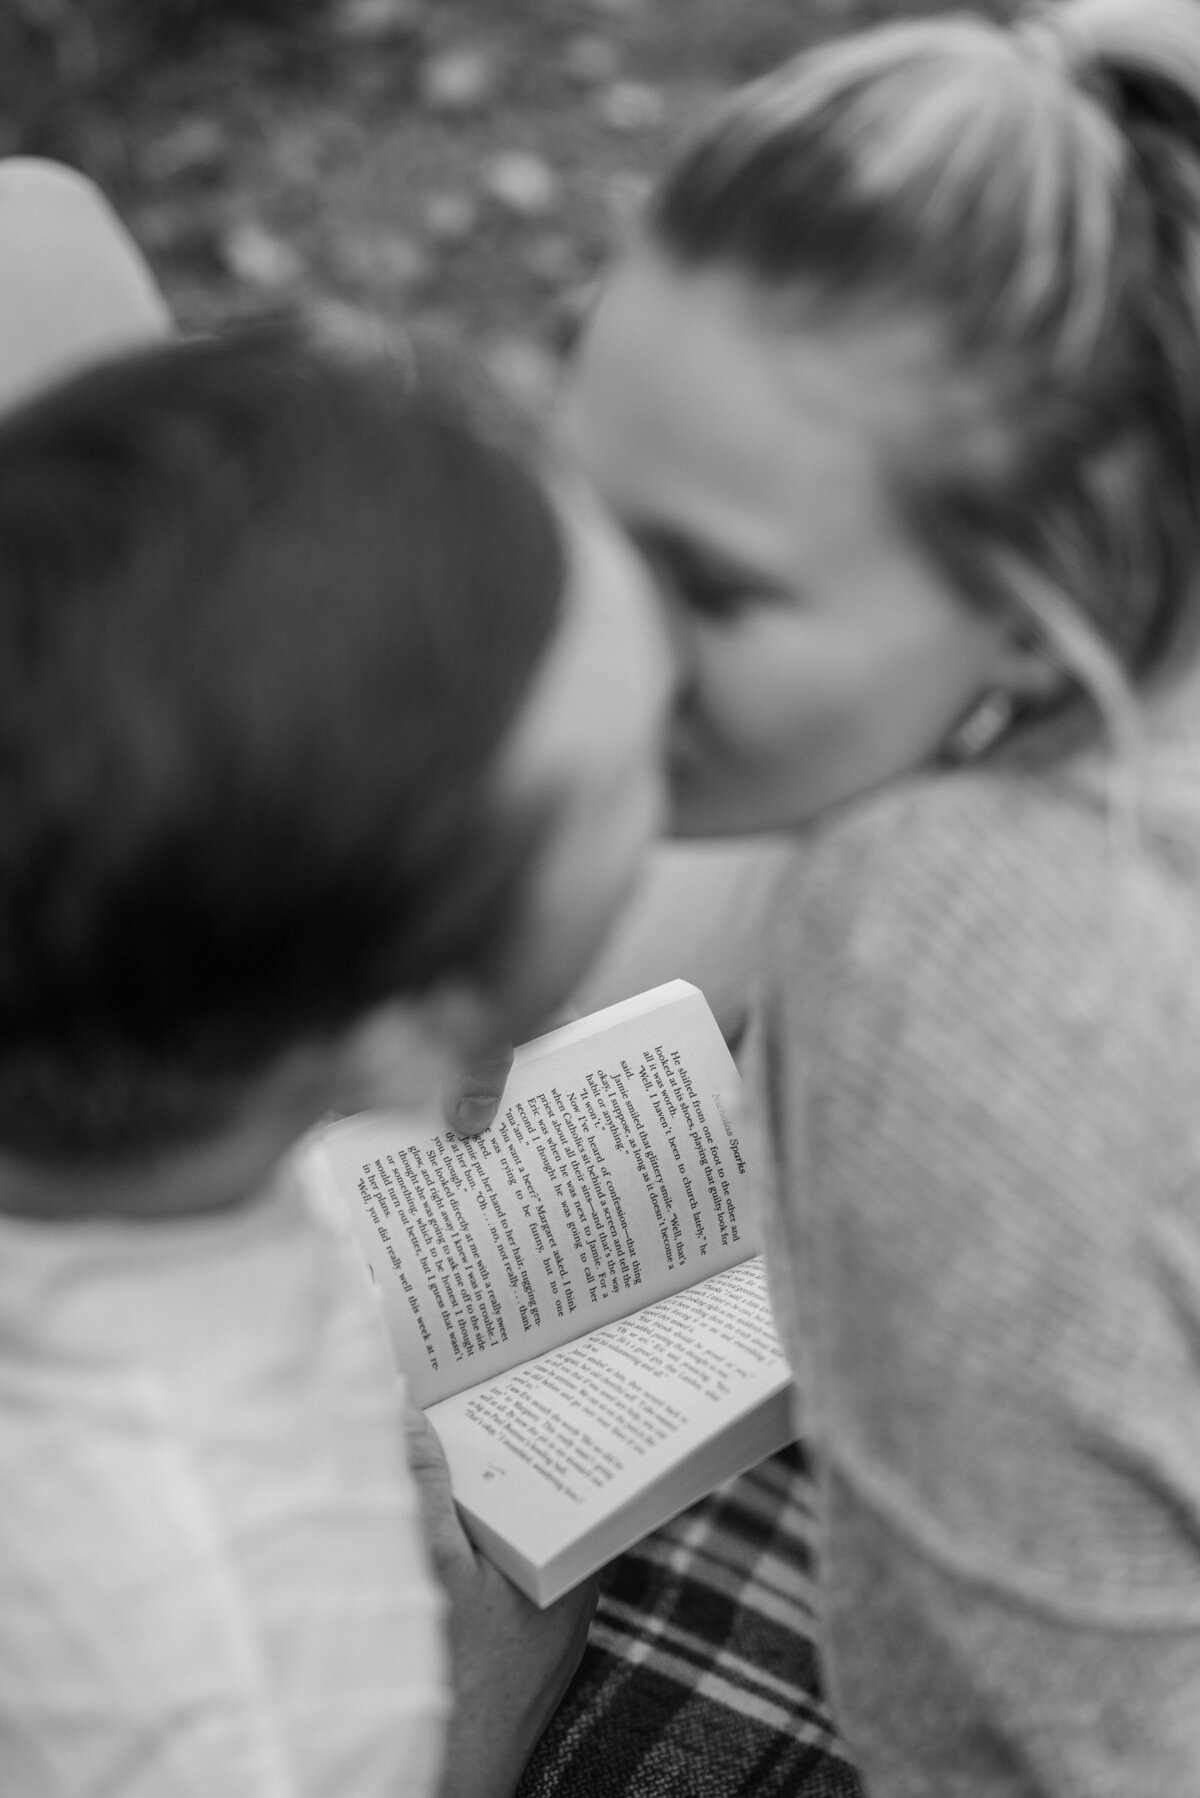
x=470, y=1098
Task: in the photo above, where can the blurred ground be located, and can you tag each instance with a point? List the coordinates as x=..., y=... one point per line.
x=461, y=164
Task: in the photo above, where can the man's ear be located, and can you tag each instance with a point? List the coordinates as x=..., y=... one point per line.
x=402, y=1053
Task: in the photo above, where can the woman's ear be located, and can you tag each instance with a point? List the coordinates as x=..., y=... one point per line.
x=1026, y=680
x=1030, y=674
x=402, y=1054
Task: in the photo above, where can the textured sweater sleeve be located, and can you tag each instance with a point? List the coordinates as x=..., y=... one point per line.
x=985, y=1042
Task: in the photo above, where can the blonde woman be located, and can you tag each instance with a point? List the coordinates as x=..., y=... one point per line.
x=899, y=390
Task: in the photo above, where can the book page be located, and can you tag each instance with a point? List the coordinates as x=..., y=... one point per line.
x=612, y=1175
x=540, y=1454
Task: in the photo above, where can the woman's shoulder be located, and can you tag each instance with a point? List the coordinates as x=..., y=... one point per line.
x=1001, y=859
x=984, y=921
x=986, y=1054
x=929, y=826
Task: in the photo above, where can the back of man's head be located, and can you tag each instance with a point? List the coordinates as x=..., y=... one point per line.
x=264, y=621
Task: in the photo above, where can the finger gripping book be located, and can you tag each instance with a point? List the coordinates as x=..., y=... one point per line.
x=575, y=1296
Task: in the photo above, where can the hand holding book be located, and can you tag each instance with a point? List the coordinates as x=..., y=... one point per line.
x=574, y=1294
x=511, y=1663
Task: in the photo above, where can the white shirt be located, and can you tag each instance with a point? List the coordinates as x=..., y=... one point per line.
x=212, y=1580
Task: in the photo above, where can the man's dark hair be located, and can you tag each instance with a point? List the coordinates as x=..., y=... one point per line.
x=265, y=618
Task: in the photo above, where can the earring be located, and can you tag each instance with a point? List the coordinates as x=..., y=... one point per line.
x=980, y=728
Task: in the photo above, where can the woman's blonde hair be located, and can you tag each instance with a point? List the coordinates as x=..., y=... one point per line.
x=1034, y=192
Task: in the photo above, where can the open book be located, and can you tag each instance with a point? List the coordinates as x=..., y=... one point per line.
x=574, y=1296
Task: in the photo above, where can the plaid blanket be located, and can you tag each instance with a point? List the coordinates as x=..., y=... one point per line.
x=700, y=1678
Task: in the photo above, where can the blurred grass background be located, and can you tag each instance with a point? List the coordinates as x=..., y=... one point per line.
x=462, y=165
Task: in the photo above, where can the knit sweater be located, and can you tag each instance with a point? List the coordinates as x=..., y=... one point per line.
x=979, y=1065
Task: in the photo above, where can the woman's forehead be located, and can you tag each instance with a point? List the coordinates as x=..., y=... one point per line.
x=704, y=366
x=702, y=413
